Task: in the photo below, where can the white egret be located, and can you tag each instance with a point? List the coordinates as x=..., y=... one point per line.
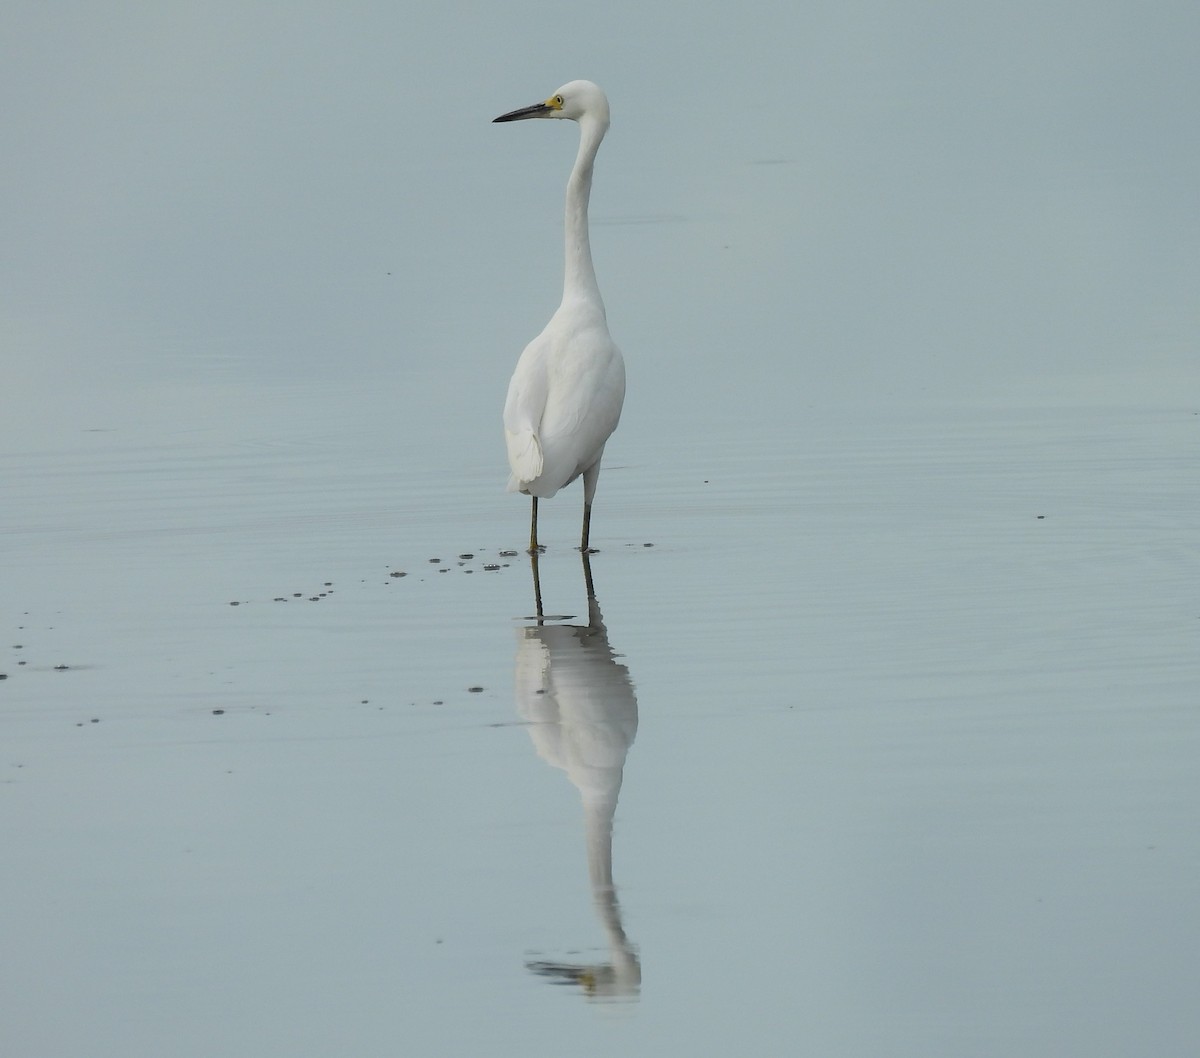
x=565, y=397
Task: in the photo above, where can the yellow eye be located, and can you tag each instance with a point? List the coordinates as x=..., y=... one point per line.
x=558, y=100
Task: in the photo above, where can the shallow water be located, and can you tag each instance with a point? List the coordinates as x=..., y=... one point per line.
x=879, y=736
x=895, y=715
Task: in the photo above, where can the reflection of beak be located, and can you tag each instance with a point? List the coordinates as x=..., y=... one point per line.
x=538, y=110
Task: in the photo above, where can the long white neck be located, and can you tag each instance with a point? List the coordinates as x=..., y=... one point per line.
x=579, y=277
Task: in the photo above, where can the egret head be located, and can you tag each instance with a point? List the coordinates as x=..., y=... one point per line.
x=577, y=100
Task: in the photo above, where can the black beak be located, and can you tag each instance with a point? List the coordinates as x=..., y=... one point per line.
x=538, y=110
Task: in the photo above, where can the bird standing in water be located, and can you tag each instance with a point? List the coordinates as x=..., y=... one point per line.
x=565, y=397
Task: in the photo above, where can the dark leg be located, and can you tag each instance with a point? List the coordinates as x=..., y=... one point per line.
x=587, y=525
x=590, y=477
x=533, y=544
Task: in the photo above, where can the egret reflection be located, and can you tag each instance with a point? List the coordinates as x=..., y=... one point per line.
x=581, y=714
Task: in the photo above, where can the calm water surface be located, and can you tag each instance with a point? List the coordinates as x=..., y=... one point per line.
x=878, y=737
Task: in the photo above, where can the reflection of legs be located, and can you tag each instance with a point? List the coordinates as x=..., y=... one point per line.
x=533, y=544
x=537, y=582
x=595, y=618
x=590, y=477
x=587, y=577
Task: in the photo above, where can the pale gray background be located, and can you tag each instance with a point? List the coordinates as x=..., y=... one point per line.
x=909, y=299
x=838, y=201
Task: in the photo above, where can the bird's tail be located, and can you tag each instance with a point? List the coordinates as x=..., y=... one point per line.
x=524, y=456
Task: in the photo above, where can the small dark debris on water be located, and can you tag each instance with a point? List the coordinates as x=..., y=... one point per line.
x=468, y=555
x=435, y=560
x=397, y=573
x=474, y=690
x=508, y=554
x=1041, y=517
x=235, y=603
x=3, y=675
x=297, y=595
x=491, y=566
x=217, y=712
x=647, y=545
x=365, y=701
x=439, y=702
x=95, y=719
x=61, y=668
x=280, y=598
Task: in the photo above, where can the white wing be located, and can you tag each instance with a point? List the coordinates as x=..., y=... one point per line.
x=523, y=411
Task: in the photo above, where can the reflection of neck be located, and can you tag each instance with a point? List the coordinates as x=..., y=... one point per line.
x=579, y=277
x=598, y=817
x=598, y=820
